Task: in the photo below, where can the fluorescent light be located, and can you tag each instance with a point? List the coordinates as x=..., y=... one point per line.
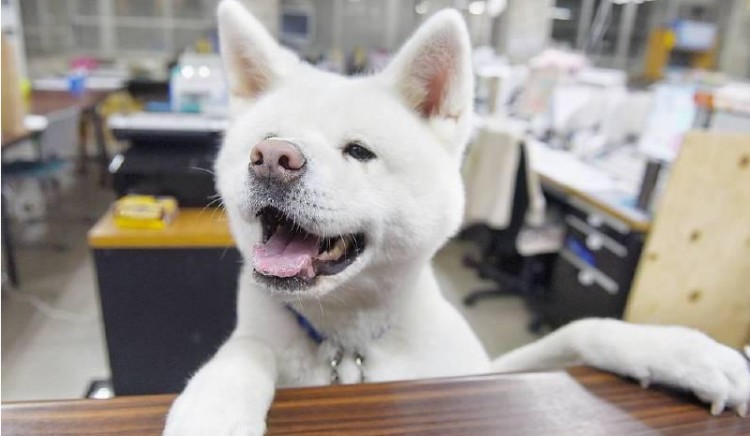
x=477, y=7
x=188, y=71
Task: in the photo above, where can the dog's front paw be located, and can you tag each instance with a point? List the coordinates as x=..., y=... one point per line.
x=691, y=360
x=207, y=414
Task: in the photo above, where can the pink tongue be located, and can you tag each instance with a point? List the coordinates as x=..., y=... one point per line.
x=286, y=256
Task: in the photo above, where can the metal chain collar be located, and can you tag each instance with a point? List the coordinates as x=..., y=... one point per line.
x=359, y=360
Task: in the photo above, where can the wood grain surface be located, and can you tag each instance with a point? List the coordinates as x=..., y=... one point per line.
x=578, y=402
x=11, y=139
x=695, y=269
x=636, y=220
x=46, y=102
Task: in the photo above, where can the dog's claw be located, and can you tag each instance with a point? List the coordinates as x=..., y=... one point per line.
x=645, y=383
x=717, y=407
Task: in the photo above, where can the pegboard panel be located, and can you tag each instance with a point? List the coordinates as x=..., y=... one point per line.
x=695, y=268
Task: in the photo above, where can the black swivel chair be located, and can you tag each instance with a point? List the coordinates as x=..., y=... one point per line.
x=515, y=273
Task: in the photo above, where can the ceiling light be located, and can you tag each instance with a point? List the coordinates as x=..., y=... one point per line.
x=477, y=7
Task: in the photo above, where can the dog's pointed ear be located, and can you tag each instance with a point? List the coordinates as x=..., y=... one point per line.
x=253, y=61
x=432, y=71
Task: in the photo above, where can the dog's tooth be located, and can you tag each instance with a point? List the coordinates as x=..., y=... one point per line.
x=333, y=254
x=345, y=243
x=337, y=252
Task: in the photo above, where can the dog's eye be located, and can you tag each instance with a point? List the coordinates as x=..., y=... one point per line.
x=269, y=136
x=359, y=152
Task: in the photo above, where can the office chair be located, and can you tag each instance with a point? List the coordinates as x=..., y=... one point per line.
x=44, y=170
x=509, y=256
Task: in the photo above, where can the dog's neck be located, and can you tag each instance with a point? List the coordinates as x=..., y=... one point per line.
x=366, y=309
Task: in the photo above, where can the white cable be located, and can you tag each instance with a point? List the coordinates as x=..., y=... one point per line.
x=50, y=311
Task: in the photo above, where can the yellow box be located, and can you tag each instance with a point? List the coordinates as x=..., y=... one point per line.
x=144, y=212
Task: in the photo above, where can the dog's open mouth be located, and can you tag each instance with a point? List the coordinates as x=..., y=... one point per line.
x=291, y=252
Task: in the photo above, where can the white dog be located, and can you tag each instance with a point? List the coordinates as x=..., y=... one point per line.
x=339, y=191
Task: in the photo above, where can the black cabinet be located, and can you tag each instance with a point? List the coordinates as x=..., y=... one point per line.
x=168, y=297
x=593, y=273
x=166, y=312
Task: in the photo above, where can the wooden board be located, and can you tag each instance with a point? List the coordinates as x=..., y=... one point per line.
x=193, y=227
x=13, y=105
x=695, y=268
x=581, y=402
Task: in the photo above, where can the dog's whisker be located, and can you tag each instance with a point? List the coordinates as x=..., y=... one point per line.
x=204, y=170
x=211, y=203
x=322, y=314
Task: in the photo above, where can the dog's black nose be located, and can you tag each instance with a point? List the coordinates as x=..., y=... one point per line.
x=277, y=159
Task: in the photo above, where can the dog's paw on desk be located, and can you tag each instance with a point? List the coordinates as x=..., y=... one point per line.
x=679, y=357
x=204, y=410
x=193, y=416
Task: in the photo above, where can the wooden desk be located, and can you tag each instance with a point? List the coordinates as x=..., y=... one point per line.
x=47, y=102
x=44, y=103
x=566, y=175
x=11, y=139
x=634, y=219
x=582, y=401
x=193, y=227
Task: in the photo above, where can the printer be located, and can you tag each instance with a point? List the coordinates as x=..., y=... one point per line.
x=169, y=154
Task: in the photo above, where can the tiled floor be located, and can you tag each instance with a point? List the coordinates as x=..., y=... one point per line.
x=52, y=339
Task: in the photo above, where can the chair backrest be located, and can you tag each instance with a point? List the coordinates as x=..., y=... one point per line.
x=506, y=238
x=60, y=138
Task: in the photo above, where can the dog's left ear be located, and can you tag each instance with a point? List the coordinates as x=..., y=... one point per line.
x=432, y=72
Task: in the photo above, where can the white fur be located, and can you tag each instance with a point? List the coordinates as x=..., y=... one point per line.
x=408, y=201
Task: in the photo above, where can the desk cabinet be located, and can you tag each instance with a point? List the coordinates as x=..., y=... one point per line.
x=168, y=298
x=593, y=274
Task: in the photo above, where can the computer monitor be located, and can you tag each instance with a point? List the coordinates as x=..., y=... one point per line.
x=297, y=25
x=672, y=115
x=694, y=35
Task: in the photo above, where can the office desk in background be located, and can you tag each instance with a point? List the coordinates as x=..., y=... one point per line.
x=10, y=140
x=566, y=174
x=168, y=297
x=580, y=401
x=46, y=102
x=604, y=237
x=13, y=139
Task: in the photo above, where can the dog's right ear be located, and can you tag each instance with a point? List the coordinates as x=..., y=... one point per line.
x=432, y=74
x=253, y=61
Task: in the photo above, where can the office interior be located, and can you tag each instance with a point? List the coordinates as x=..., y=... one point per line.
x=607, y=175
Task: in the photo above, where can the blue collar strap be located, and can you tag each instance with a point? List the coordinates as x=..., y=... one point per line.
x=307, y=326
